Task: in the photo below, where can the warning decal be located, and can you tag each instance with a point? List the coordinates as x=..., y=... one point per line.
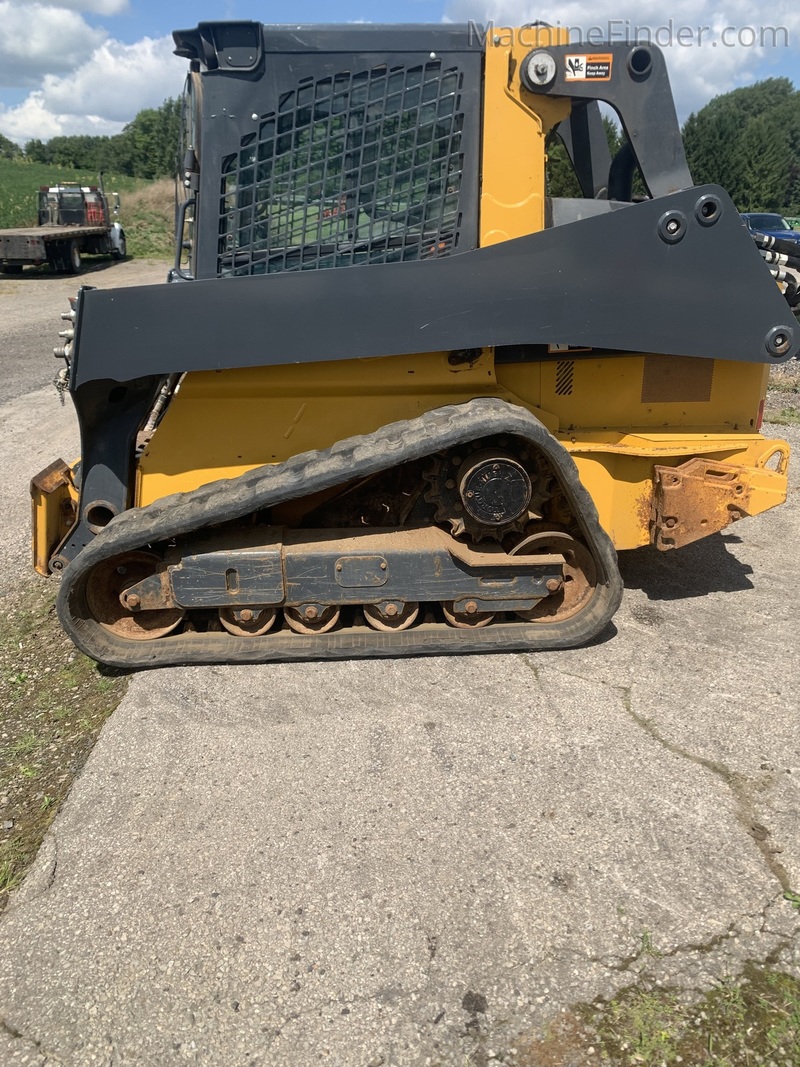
x=585, y=68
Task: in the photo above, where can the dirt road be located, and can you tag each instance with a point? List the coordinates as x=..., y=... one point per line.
x=34, y=427
x=409, y=862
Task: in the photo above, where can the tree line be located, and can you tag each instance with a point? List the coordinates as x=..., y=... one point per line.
x=148, y=147
x=747, y=141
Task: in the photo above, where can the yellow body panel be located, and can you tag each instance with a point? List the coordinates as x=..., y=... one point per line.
x=54, y=500
x=622, y=485
x=513, y=177
x=224, y=423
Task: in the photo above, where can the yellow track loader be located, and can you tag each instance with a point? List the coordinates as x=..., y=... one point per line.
x=397, y=398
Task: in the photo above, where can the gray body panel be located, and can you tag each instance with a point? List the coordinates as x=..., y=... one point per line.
x=608, y=282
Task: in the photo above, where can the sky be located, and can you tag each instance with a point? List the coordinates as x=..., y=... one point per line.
x=88, y=66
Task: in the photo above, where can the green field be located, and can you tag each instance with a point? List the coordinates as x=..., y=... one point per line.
x=19, y=186
x=147, y=208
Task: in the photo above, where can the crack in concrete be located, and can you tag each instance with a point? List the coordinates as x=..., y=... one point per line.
x=50, y=876
x=47, y=1058
x=625, y=964
x=744, y=791
x=739, y=785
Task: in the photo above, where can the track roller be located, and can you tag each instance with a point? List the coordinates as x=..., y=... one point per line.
x=248, y=622
x=312, y=618
x=391, y=615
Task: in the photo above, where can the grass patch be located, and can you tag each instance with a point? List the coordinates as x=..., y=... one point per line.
x=20, y=182
x=53, y=701
x=789, y=416
x=743, y=1022
x=148, y=217
x=782, y=406
x=749, y=1020
x=786, y=384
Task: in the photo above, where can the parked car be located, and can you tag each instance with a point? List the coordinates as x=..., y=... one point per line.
x=771, y=224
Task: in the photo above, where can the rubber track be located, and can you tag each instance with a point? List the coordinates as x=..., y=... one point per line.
x=356, y=457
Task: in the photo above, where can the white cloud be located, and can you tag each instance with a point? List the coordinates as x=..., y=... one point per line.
x=102, y=94
x=118, y=80
x=36, y=40
x=729, y=52
x=32, y=120
x=94, y=7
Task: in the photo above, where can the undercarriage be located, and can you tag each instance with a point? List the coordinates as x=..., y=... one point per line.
x=420, y=538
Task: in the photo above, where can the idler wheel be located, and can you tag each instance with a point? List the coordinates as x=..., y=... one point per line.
x=109, y=580
x=579, y=576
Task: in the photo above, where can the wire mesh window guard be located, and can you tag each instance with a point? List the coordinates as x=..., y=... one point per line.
x=354, y=168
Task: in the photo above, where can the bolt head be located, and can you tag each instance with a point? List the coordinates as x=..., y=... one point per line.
x=470, y=607
x=311, y=612
x=553, y=585
x=391, y=610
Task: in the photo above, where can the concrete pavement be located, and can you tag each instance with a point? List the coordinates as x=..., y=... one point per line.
x=422, y=861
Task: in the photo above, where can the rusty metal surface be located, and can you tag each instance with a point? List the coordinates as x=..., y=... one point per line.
x=51, y=478
x=697, y=498
x=569, y=595
x=114, y=577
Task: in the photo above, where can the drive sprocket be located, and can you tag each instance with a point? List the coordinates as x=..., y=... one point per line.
x=489, y=488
